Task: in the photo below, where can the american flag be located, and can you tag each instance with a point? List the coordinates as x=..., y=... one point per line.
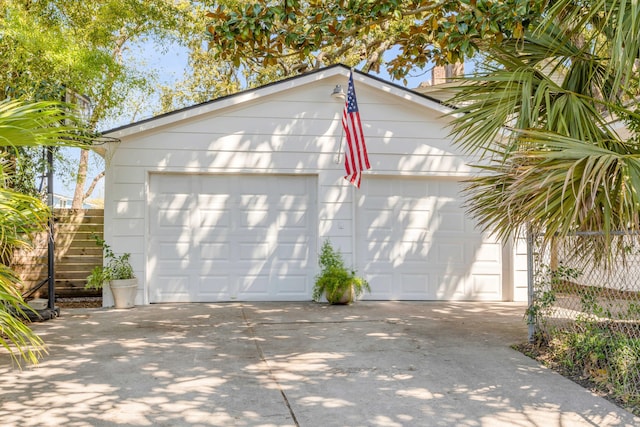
x=356, y=159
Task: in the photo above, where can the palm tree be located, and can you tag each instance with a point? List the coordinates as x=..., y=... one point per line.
x=543, y=114
x=24, y=124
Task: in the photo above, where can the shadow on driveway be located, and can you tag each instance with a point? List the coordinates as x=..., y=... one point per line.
x=288, y=364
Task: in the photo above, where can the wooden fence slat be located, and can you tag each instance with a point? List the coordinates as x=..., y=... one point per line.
x=76, y=253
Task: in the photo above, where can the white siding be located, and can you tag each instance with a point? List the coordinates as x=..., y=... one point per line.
x=295, y=130
x=520, y=271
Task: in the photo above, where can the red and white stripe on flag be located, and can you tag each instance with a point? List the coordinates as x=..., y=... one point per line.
x=356, y=159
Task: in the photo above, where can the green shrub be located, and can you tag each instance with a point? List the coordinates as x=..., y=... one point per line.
x=117, y=267
x=609, y=359
x=334, y=278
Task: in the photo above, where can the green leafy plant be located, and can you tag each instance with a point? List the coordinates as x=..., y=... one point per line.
x=116, y=267
x=610, y=359
x=334, y=279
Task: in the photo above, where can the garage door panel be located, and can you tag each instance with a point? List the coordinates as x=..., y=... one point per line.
x=219, y=199
x=451, y=253
x=378, y=251
x=484, y=285
x=292, y=284
x=165, y=201
x=171, y=251
x=484, y=252
x=414, y=227
x=415, y=234
x=380, y=220
x=214, y=218
x=175, y=265
x=218, y=186
x=293, y=252
x=418, y=236
x=208, y=267
x=418, y=210
x=172, y=218
x=250, y=218
x=245, y=236
x=446, y=189
x=294, y=219
x=414, y=286
x=413, y=189
x=415, y=251
x=252, y=251
x=169, y=185
x=177, y=286
x=290, y=201
x=214, y=251
x=214, y=287
x=251, y=184
x=377, y=205
x=377, y=238
x=451, y=222
x=381, y=285
x=254, y=286
x=291, y=185
x=210, y=239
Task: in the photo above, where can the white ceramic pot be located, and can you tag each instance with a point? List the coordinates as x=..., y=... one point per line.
x=348, y=297
x=124, y=292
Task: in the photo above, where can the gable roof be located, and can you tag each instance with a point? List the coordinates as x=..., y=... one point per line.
x=273, y=88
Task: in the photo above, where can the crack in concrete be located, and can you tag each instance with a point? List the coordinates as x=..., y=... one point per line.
x=264, y=360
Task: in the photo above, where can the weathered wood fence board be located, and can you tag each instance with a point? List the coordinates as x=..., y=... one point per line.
x=76, y=254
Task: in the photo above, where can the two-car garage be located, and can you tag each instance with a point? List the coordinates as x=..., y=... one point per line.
x=231, y=200
x=254, y=238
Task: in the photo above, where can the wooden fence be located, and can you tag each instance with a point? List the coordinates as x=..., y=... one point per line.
x=76, y=254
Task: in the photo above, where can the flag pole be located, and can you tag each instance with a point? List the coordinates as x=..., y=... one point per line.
x=339, y=153
x=337, y=158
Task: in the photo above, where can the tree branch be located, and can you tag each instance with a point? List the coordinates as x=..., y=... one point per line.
x=93, y=185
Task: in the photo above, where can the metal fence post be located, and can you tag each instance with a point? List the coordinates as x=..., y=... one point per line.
x=530, y=287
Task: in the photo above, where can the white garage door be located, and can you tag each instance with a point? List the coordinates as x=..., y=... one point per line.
x=415, y=242
x=231, y=237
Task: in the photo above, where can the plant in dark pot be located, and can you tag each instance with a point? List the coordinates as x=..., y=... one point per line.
x=338, y=284
x=118, y=273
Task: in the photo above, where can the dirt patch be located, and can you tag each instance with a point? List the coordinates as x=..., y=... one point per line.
x=543, y=355
x=79, y=302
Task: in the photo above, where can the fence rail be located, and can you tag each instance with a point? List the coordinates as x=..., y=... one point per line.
x=76, y=254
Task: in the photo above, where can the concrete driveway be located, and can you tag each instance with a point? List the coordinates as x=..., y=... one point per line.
x=288, y=364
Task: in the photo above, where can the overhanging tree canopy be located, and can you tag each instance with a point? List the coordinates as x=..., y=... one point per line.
x=562, y=104
x=320, y=32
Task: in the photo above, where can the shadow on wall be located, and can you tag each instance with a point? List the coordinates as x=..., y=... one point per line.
x=295, y=137
x=263, y=364
x=416, y=242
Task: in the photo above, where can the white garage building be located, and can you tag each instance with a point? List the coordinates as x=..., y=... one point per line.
x=231, y=200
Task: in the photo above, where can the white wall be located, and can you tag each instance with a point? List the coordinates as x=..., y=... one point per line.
x=293, y=131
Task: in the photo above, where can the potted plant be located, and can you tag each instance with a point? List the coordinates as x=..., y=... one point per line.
x=338, y=284
x=118, y=273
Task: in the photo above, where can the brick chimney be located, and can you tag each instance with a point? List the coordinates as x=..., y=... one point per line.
x=445, y=73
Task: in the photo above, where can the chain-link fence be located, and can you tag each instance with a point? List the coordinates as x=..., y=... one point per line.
x=585, y=307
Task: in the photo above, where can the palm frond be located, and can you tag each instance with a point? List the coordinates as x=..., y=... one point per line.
x=25, y=124
x=559, y=185
x=44, y=123
x=610, y=28
x=15, y=336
